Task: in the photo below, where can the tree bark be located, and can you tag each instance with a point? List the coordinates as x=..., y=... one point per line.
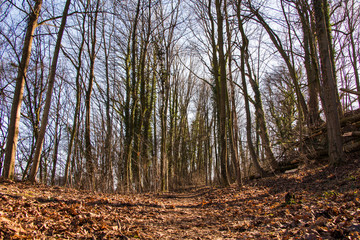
x=259, y=111
x=108, y=171
x=232, y=115
x=216, y=88
x=35, y=99
x=77, y=104
x=44, y=121
x=165, y=85
x=223, y=95
x=90, y=165
x=56, y=138
x=13, y=130
x=329, y=91
x=310, y=62
x=250, y=144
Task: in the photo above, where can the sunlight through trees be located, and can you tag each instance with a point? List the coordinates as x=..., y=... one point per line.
x=156, y=95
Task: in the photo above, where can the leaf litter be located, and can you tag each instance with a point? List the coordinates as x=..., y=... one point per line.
x=316, y=202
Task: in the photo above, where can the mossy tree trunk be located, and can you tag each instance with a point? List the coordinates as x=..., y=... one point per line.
x=330, y=98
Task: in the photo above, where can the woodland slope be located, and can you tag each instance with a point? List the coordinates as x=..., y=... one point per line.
x=315, y=202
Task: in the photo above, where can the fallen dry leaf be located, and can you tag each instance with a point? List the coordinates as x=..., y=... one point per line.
x=325, y=205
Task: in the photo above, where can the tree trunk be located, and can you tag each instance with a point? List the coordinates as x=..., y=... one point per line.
x=90, y=164
x=250, y=144
x=77, y=104
x=223, y=96
x=277, y=42
x=329, y=91
x=232, y=115
x=165, y=85
x=108, y=171
x=44, y=121
x=75, y=122
x=253, y=155
x=13, y=130
x=216, y=91
x=311, y=64
x=35, y=99
x=57, y=138
x=259, y=111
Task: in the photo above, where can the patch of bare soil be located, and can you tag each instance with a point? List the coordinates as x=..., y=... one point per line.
x=312, y=203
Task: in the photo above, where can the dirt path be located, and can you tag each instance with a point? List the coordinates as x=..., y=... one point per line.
x=28, y=211
x=192, y=215
x=324, y=205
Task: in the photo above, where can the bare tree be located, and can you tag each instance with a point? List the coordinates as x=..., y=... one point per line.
x=328, y=82
x=78, y=64
x=57, y=135
x=310, y=60
x=90, y=164
x=280, y=48
x=259, y=111
x=232, y=114
x=13, y=130
x=243, y=68
x=44, y=121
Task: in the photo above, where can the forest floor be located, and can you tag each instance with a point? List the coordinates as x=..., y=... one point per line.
x=321, y=203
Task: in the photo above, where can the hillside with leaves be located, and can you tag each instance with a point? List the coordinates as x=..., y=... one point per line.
x=313, y=202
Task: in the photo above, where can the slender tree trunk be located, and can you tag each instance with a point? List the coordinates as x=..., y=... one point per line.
x=44, y=121
x=328, y=82
x=155, y=150
x=90, y=164
x=232, y=115
x=216, y=90
x=250, y=144
x=75, y=119
x=135, y=82
x=57, y=138
x=109, y=155
x=163, y=152
x=109, y=182
x=165, y=85
x=37, y=99
x=277, y=43
x=128, y=126
x=77, y=104
x=223, y=95
x=244, y=52
x=311, y=65
x=209, y=156
x=13, y=130
x=56, y=150
x=258, y=102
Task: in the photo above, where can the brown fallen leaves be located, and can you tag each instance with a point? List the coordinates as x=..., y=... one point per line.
x=324, y=204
